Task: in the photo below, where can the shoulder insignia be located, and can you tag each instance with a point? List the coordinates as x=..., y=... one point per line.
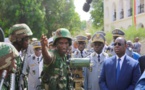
x=93, y=54
x=105, y=54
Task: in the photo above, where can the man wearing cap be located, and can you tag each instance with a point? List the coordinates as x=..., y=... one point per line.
x=89, y=45
x=33, y=67
x=51, y=46
x=97, y=59
x=81, y=52
x=116, y=33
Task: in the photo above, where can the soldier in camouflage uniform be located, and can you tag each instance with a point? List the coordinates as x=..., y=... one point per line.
x=19, y=37
x=55, y=69
x=10, y=60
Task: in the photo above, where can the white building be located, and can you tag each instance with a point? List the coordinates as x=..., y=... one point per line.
x=118, y=14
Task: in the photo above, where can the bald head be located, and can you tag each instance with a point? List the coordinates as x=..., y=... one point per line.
x=120, y=46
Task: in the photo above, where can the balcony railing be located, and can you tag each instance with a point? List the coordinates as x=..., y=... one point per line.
x=121, y=14
x=141, y=8
x=130, y=12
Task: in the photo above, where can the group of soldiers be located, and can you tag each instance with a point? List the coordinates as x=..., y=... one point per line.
x=54, y=63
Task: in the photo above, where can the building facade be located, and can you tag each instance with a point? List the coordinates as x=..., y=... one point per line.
x=118, y=13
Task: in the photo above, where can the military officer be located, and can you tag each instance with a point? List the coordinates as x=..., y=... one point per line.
x=55, y=71
x=116, y=33
x=81, y=52
x=33, y=67
x=19, y=36
x=97, y=59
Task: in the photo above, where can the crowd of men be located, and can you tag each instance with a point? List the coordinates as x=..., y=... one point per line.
x=60, y=62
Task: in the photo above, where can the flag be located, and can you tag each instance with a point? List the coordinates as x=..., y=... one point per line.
x=134, y=13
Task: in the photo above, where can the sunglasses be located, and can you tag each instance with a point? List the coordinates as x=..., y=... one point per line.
x=119, y=44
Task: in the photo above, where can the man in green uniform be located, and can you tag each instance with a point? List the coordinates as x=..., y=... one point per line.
x=9, y=58
x=55, y=68
x=19, y=37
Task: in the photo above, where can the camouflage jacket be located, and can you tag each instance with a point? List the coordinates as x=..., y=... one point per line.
x=55, y=75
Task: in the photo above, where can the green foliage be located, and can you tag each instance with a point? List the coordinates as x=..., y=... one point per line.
x=61, y=13
x=130, y=34
x=43, y=16
x=97, y=13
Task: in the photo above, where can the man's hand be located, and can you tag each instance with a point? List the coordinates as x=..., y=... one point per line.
x=44, y=41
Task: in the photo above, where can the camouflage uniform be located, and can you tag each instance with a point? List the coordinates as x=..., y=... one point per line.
x=9, y=58
x=19, y=33
x=55, y=75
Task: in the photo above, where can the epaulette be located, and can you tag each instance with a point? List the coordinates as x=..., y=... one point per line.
x=93, y=54
x=105, y=54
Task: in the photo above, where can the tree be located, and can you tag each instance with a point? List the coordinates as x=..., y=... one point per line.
x=97, y=13
x=61, y=13
x=22, y=11
x=43, y=16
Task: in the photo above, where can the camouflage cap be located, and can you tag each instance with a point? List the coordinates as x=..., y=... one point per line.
x=81, y=38
x=7, y=54
x=118, y=32
x=98, y=38
x=36, y=44
x=19, y=31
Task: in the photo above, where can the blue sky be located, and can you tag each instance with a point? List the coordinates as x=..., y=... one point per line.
x=79, y=9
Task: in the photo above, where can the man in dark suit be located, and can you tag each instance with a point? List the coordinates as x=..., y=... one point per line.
x=142, y=63
x=120, y=72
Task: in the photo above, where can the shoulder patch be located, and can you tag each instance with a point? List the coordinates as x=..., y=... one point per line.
x=105, y=54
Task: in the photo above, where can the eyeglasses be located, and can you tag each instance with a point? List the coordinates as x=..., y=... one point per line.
x=119, y=44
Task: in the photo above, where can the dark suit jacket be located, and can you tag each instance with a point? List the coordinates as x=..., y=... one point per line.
x=142, y=63
x=129, y=74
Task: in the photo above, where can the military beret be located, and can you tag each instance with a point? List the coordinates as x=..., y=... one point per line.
x=81, y=38
x=98, y=37
x=101, y=32
x=118, y=32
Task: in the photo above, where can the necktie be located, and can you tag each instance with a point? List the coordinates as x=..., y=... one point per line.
x=98, y=57
x=38, y=59
x=82, y=54
x=118, y=70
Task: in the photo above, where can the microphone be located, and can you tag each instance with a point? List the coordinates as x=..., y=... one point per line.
x=86, y=7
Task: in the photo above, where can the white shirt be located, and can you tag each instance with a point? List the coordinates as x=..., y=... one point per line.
x=121, y=61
